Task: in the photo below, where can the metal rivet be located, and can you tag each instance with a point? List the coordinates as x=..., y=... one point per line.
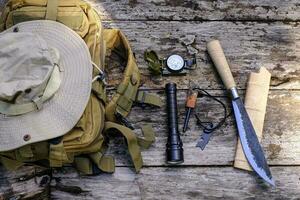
x=16, y=29
x=134, y=79
x=26, y=138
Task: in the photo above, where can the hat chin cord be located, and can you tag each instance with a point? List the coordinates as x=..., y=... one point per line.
x=101, y=76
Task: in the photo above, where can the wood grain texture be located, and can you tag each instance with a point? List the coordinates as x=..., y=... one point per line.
x=281, y=139
x=193, y=10
x=247, y=46
x=281, y=143
x=25, y=183
x=253, y=34
x=180, y=183
x=220, y=62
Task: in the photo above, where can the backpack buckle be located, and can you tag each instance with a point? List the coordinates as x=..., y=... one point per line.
x=124, y=121
x=101, y=76
x=145, y=99
x=141, y=101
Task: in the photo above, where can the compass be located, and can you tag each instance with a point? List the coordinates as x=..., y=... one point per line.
x=172, y=65
x=175, y=63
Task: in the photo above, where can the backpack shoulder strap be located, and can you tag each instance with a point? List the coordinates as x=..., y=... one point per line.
x=123, y=99
x=127, y=92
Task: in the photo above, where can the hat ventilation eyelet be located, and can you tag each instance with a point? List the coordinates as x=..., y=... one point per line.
x=27, y=91
x=26, y=137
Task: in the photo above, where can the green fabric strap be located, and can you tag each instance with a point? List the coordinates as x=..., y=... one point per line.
x=10, y=164
x=18, y=109
x=127, y=96
x=149, y=137
x=57, y=155
x=104, y=163
x=25, y=153
x=154, y=63
x=32, y=152
x=132, y=142
x=148, y=98
x=84, y=164
x=51, y=13
x=107, y=164
x=2, y=18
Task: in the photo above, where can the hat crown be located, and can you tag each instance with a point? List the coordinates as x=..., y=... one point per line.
x=67, y=92
x=26, y=64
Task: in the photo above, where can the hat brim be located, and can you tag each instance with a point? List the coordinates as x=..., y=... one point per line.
x=61, y=113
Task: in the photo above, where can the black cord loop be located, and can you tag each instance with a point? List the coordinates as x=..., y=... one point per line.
x=208, y=127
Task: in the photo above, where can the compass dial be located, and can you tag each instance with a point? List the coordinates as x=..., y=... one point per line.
x=175, y=63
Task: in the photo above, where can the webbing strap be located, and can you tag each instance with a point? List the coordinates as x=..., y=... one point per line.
x=51, y=12
x=57, y=155
x=25, y=152
x=3, y=18
x=10, y=164
x=144, y=97
x=122, y=102
x=103, y=162
x=85, y=164
x=149, y=137
x=127, y=93
x=18, y=109
x=132, y=142
x=154, y=62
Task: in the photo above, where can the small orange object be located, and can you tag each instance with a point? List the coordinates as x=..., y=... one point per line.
x=190, y=105
x=191, y=100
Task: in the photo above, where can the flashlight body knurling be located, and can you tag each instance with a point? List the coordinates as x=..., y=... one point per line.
x=174, y=144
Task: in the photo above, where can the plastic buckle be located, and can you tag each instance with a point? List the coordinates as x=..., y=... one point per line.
x=101, y=77
x=141, y=102
x=124, y=121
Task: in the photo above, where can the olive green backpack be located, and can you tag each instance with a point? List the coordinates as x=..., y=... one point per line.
x=84, y=146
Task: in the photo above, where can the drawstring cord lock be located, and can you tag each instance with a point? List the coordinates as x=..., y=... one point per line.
x=101, y=76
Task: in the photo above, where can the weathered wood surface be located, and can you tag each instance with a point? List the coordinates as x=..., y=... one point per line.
x=179, y=183
x=25, y=183
x=152, y=183
x=253, y=34
x=281, y=139
x=247, y=45
x=193, y=10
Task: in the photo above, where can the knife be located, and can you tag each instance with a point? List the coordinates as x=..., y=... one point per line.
x=249, y=141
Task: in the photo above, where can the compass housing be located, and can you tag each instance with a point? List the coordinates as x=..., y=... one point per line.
x=175, y=63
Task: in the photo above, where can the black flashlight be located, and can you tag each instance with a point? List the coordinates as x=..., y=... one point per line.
x=174, y=144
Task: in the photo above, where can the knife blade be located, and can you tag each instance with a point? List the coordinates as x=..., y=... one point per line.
x=249, y=140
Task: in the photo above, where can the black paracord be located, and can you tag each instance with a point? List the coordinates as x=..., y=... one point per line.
x=210, y=127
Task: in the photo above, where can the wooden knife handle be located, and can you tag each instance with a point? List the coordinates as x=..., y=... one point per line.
x=217, y=55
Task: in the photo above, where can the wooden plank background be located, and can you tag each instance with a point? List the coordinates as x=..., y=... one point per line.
x=254, y=34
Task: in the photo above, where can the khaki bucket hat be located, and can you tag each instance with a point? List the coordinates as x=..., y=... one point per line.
x=45, y=82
